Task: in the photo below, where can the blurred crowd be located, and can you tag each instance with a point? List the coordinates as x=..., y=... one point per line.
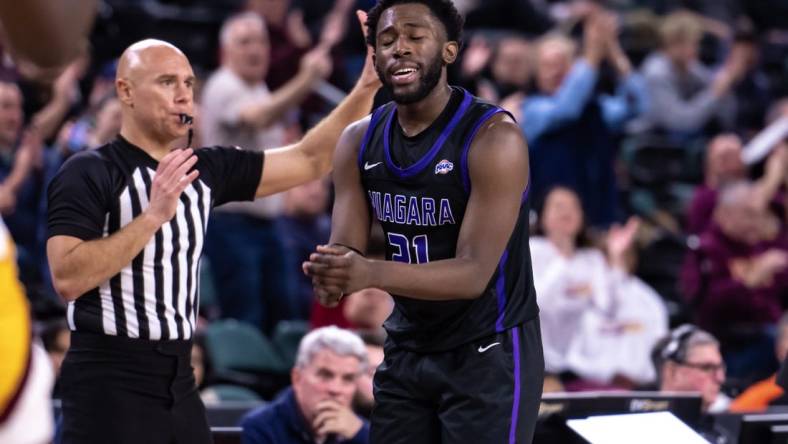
x=658, y=142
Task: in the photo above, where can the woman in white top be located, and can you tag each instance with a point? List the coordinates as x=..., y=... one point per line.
x=598, y=321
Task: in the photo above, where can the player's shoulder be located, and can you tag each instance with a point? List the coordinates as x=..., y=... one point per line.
x=499, y=128
x=361, y=128
x=489, y=115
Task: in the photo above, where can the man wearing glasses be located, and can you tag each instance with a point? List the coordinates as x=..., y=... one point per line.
x=689, y=360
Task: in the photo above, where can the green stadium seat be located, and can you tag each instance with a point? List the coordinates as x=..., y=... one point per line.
x=230, y=392
x=235, y=346
x=287, y=337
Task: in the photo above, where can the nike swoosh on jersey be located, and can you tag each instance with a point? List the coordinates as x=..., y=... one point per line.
x=484, y=349
x=368, y=166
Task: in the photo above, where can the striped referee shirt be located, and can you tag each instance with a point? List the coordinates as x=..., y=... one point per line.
x=98, y=192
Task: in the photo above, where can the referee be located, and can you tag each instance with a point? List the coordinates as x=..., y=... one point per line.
x=126, y=229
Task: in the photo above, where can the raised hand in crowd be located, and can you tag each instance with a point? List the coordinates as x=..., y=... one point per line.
x=316, y=63
x=476, y=57
x=65, y=91
x=615, y=53
x=734, y=68
x=335, y=24
x=619, y=241
x=760, y=270
x=28, y=157
x=596, y=34
x=775, y=175
x=296, y=29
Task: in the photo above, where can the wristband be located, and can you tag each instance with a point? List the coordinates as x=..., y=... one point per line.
x=348, y=247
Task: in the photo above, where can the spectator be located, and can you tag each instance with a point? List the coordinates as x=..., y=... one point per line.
x=689, y=360
x=758, y=396
x=511, y=67
x=307, y=224
x=500, y=74
x=56, y=338
x=368, y=308
x=737, y=276
x=20, y=186
x=364, y=400
x=569, y=127
x=243, y=244
x=687, y=98
x=598, y=321
x=317, y=407
x=724, y=165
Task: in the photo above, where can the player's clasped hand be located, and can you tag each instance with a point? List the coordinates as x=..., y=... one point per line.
x=335, y=271
x=172, y=177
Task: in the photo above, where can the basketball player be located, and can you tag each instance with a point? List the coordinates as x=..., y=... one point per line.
x=26, y=376
x=446, y=175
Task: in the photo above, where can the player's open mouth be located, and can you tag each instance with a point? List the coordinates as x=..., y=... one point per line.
x=403, y=76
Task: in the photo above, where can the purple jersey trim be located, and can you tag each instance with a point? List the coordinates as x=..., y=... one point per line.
x=466, y=177
x=500, y=290
x=368, y=133
x=516, y=402
x=417, y=167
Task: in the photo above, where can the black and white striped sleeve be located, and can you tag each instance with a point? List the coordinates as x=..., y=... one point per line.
x=233, y=174
x=78, y=197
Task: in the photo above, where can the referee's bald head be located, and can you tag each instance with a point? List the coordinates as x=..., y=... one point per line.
x=133, y=57
x=154, y=82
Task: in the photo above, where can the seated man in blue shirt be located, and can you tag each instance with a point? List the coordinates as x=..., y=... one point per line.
x=316, y=410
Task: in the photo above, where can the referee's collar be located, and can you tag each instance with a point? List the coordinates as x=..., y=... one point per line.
x=124, y=143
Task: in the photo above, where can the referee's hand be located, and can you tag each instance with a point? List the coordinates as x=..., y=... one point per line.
x=173, y=175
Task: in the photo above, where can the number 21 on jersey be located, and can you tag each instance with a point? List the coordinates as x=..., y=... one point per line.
x=406, y=250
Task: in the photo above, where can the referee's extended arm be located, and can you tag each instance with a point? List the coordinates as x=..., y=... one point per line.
x=310, y=158
x=79, y=266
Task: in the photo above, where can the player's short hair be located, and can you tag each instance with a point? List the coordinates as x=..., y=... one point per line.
x=338, y=341
x=443, y=10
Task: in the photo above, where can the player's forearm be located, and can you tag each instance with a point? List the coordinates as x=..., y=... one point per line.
x=448, y=279
x=355, y=106
x=91, y=263
x=267, y=112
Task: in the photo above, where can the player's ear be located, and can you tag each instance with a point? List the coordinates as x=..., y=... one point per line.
x=450, y=51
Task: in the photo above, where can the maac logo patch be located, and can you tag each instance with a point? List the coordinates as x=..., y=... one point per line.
x=443, y=167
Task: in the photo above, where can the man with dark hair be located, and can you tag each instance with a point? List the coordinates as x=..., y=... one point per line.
x=446, y=175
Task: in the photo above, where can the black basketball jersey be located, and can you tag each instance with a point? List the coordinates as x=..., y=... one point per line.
x=418, y=188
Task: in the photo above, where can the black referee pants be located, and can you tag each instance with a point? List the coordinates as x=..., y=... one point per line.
x=119, y=390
